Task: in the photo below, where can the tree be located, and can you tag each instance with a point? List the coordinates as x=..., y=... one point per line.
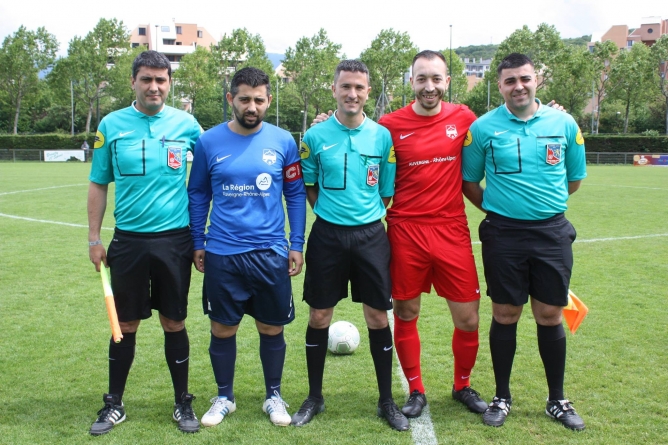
x=196, y=76
x=241, y=49
x=311, y=66
x=602, y=55
x=572, y=77
x=388, y=59
x=88, y=59
x=660, y=59
x=631, y=78
x=22, y=56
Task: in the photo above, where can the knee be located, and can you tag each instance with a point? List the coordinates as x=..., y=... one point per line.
x=467, y=321
x=319, y=318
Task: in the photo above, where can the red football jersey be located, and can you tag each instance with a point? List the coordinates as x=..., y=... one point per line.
x=428, y=150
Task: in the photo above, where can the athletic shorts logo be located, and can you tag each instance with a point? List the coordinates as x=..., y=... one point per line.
x=263, y=181
x=553, y=155
x=292, y=172
x=468, y=139
x=269, y=156
x=99, y=140
x=304, y=151
x=579, y=139
x=372, y=175
x=174, y=157
x=451, y=131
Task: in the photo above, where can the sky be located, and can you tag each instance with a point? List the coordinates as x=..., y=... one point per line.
x=353, y=24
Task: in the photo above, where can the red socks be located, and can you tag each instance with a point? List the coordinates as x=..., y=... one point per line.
x=465, y=350
x=407, y=343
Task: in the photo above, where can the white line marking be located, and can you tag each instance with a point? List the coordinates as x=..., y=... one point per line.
x=626, y=186
x=617, y=238
x=422, y=428
x=46, y=221
x=43, y=188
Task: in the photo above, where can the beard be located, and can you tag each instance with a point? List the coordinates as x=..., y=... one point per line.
x=241, y=119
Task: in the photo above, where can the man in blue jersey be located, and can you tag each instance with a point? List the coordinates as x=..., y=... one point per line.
x=142, y=148
x=246, y=167
x=349, y=168
x=532, y=158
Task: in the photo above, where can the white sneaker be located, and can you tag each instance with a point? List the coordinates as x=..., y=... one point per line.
x=275, y=407
x=221, y=407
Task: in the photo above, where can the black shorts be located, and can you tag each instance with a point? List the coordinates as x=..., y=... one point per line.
x=151, y=271
x=336, y=255
x=523, y=258
x=254, y=283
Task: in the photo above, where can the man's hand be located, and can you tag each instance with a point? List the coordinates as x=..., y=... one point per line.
x=98, y=255
x=556, y=106
x=198, y=259
x=295, y=263
x=322, y=117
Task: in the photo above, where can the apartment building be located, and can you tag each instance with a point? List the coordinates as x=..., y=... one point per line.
x=173, y=39
x=651, y=28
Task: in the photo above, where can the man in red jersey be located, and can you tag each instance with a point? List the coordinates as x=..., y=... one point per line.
x=428, y=230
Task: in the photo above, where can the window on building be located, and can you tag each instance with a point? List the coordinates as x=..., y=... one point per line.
x=200, y=34
x=650, y=30
x=173, y=58
x=178, y=30
x=178, y=43
x=134, y=45
x=629, y=43
x=141, y=31
x=168, y=41
x=164, y=28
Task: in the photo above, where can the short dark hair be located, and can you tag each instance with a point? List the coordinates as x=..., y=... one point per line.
x=429, y=55
x=513, y=60
x=251, y=76
x=151, y=59
x=352, y=66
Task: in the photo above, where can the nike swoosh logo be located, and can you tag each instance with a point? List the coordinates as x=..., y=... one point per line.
x=327, y=147
x=387, y=348
x=274, y=387
x=464, y=377
x=404, y=136
x=178, y=362
x=126, y=133
x=310, y=346
x=412, y=378
x=223, y=158
x=496, y=133
x=290, y=313
x=477, y=291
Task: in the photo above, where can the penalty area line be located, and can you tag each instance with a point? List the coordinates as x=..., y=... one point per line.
x=422, y=428
x=614, y=238
x=43, y=188
x=46, y=221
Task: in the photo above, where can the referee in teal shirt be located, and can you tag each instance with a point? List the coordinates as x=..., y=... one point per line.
x=532, y=158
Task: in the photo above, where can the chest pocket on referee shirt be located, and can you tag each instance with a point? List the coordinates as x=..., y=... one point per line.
x=172, y=157
x=550, y=151
x=333, y=169
x=130, y=156
x=506, y=156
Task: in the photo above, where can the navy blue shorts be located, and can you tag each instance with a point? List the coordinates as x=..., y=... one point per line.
x=523, y=258
x=151, y=271
x=254, y=283
x=336, y=255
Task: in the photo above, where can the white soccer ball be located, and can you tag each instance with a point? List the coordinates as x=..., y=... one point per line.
x=344, y=338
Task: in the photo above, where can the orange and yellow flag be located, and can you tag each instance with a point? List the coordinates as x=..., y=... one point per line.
x=574, y=312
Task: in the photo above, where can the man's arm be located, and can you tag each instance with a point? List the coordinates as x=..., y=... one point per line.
x=473, y=192
x=97, y=204
x=312, y=194
x=386, y=201
x=573, y=186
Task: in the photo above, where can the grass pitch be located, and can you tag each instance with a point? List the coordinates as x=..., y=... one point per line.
x=54, y=335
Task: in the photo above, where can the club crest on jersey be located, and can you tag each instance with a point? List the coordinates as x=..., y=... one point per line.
x=451, y=131
x=553, y=154
x=174, y=157
x=372, y=175
x=269, y=156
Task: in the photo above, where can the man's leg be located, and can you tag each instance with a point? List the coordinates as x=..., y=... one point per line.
x=317, y=334
x=380, y=344
x=465, y=345
x=407, y=342
x=223, y=355
x=177, y=354
x=272, y=356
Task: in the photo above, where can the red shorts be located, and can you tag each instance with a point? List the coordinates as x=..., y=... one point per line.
x=439, y=254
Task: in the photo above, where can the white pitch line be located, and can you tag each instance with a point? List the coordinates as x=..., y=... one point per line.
x=43, y=188
x=617, y=238
x=46, y=221
x=422, y=428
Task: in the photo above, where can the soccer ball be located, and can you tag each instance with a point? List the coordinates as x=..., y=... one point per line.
x=344, y=338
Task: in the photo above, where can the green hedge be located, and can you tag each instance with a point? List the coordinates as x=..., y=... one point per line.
x=626, y=143
x=51, y=141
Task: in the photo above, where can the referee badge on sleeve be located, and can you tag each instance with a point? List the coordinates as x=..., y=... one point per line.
x=553, y=154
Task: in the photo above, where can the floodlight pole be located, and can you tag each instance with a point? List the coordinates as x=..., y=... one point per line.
x=450, y=69
x=156, y=37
